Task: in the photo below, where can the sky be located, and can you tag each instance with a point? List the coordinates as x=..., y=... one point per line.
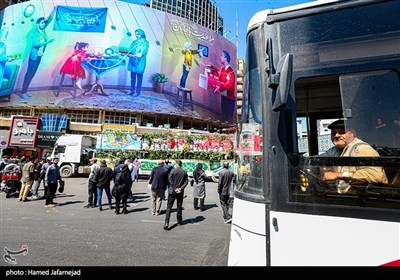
x=245, y=9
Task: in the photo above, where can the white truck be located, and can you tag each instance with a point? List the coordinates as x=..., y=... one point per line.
x=74, y=152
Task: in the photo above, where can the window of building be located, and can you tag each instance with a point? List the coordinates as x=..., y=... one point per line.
x=83, y=116
x=7, y=113
x=120, y=117
x=40, y=112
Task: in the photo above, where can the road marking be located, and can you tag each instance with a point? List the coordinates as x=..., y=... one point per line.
x=151, y=221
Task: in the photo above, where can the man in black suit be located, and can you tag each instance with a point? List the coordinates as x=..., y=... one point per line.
x=159, y=182
x=179, y=180
x=226, y=178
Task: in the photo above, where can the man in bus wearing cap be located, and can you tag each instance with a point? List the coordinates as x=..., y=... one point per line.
x=347, y=144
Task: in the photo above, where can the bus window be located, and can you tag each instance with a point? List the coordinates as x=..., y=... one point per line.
x=371, y=101
x=368, y=104
x=250, y=179
x=249, y=162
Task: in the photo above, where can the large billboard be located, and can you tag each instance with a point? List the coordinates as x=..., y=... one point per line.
x=105, y=54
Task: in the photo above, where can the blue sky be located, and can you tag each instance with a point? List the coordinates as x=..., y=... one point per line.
x=245, y=9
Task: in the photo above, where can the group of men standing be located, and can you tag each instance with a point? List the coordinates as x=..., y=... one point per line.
x=32, y=172
x=100, y=177
x=174, y=179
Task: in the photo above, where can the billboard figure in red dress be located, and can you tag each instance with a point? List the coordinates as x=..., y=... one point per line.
x=73, y=65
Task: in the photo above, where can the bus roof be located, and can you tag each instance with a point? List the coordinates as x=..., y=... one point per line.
x=262, y=15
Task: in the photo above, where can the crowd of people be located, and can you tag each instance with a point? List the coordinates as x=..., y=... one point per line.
x=31, y=172
x=167, y=182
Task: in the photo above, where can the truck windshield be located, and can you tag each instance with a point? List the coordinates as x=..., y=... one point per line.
x=59, y=149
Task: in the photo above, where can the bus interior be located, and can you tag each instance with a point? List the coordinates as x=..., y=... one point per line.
x=369, y=103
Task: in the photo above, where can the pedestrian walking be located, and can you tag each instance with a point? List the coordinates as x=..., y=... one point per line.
x=199, y=187
x=37, y=178
x=179, y=180
x=104, y=176
x=43, y=174
x=122, y=184
x=226, y=179
x=92, y=184
x=169, y=167
x=27, y=179
x=52, y=177
x=159, y=182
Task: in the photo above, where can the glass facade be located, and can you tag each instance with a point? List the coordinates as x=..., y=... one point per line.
x=202, y=12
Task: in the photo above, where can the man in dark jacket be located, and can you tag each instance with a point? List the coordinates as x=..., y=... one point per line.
x=179, y=180
x=226, y=178
x=159, y=182
x=51, y=178
x=37, y=178
x=104, y=176
x=169, y=167
x=122, y=183
x=121, y=162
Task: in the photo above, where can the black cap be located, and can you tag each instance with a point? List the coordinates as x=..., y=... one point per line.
x=336, y=124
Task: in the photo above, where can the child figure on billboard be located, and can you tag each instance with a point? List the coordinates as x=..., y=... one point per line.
x=73, y=65
x=187, y=62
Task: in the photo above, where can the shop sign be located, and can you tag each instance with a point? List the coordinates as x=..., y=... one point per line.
x=4, y=138
x=47, y=138
x=23, y=131
x=123, y=128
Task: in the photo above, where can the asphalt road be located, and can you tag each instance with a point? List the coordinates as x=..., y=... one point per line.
x=71, y=235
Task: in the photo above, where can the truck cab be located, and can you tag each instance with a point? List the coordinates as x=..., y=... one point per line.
x=74, y=153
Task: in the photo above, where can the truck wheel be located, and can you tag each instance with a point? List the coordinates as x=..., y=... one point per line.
x=66, y=171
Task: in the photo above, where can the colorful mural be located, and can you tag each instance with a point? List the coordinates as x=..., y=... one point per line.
x=103, y=54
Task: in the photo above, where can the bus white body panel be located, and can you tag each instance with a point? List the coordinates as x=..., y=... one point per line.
x=307, y=66
x=251, y=235
x=371, y=243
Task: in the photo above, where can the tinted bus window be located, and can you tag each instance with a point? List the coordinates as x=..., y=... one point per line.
x=369, y=103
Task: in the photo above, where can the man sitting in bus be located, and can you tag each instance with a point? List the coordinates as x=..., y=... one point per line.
x=347, y=144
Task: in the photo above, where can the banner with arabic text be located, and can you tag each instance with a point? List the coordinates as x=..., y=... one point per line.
x=80, y=19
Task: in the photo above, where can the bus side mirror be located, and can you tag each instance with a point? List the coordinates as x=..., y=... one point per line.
x=281, y=81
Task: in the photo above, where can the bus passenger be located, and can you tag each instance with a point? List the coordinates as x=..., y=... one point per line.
x=347, y=144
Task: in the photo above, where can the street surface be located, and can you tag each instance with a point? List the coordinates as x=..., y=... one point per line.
x=71, y=235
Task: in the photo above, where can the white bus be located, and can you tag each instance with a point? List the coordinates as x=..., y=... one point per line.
x=305, y=65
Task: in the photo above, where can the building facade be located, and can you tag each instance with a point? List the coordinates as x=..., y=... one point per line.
x=87, y=110
x=203, y=12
